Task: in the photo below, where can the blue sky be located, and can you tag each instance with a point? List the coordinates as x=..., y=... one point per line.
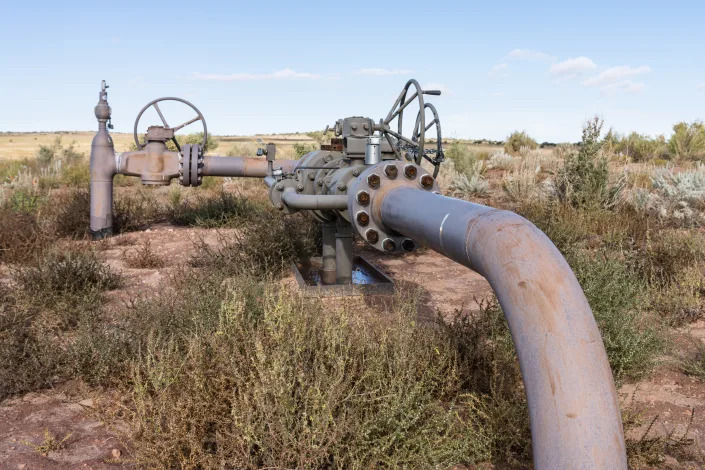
x=261, y=66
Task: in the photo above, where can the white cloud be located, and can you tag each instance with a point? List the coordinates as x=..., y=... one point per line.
x=528, y=54
x=700, y=86
x=617, y=74
x=383, y=72
x=626, y=86
x=243, y=77
x=572, y=67
x=499, y=70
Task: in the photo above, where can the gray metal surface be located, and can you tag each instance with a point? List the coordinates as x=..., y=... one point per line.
x=102, y=171
x=573, y=404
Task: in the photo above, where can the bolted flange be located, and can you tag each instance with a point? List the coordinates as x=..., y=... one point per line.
x=377, y=179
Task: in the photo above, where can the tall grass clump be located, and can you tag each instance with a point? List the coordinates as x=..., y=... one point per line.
x=518, y=140
x=209, y=210
x=688, y=141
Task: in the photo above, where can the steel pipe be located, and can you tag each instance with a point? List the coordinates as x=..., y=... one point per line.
x=242, y=166
x=328, y=252
x=103, y=168
x=573, y=405
x=310, y=201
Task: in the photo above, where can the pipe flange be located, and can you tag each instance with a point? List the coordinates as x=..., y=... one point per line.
x=191, y=165
x=364, y=201
x=276, y=192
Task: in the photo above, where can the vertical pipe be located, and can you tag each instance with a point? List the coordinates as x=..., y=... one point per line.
x=103, y=170
x=573, y=405
x=343, y=252
x=101, y=189
x=328, y=272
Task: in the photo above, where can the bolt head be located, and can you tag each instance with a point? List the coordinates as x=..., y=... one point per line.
x=391, y=171
x=280, y=206
x=371, y=235
x=311, y=176
x=408, y=245
x=427, y=181
x=342, y=186
x=388, y=244
x=299, y=187
x=373, y=181
x=280, y=187
x=363, y=218
x=356, y=172
x=363, y=198
x=410, y=171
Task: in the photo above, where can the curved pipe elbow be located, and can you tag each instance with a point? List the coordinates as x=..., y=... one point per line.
x=573, y=405
x=295, y=200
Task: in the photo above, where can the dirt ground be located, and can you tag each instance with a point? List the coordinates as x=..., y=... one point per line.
x=69, y=412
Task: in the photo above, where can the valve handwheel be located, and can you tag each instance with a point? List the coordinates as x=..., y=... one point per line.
x=415, y=146
x=155, y=104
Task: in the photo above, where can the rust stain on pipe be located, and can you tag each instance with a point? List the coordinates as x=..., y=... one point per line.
x=573, y=405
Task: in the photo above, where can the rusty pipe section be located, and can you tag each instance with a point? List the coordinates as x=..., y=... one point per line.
x=242, y=166
x=573, y=405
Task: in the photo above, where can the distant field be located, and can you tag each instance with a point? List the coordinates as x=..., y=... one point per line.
x=15, y=146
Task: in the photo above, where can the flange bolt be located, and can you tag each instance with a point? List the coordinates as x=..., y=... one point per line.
x=427, y=181
x=408, y=245
x=373, y=181
x=410, y=171
x=391, y=171
x=363, y=218
x=388, y=244
x=363, y=198
x=372, y=236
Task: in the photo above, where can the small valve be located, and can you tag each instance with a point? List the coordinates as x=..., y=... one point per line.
x=261, y=151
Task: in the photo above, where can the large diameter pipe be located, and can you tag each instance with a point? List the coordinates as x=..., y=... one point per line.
x=573, y=405
x=242, y=166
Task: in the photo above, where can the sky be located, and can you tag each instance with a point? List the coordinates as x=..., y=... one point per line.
x=267, y=66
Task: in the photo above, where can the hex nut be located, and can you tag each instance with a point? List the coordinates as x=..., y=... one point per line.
x=389, y=245
x=373, y=181
x=363, y=218
x=408, y=245
x=342, y=186
x=363, y=198
x=427, y=181
x=371, y=235
x=410, y=171
x=391, y=171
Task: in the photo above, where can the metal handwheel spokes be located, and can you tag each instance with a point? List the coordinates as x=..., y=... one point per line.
x=434, y=156
x=155, y=104
x=413, y=148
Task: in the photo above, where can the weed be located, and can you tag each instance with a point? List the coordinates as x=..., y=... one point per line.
x=213, y=210
x=143, y=257
x=267, y=243
x=695, y=365
x=50, y=444
x=517, y=140
x=651, y=450
x=688, y=140
x=632, y=337
x=21, y=236
x=65, y=277
x=72, y=216
x=302, y=149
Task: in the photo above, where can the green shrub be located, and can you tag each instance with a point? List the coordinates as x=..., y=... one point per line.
x=136, y=210
x=464, y=161
x=688, y=140
x=584, y=179
x=48, y=154
x=210, y=210
x=64, y=278
x=265, y=244
x=619, y=301
x=518, y=140
x=302, y=149
x=298, y=386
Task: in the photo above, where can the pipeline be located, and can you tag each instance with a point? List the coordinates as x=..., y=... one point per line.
x=242, y=166
x=312, y=201
x=573, y=405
